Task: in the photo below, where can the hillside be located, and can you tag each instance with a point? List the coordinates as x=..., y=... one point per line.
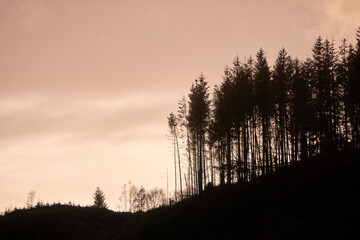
x=316, y=199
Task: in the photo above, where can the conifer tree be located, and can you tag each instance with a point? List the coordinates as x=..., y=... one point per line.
x=224, y=113
x=354, y=91
x=242, y=109
x=342, y=76
x=282, y=76
x=99, y=199
x=299, y=107
x=198, y=119
x=263, y=101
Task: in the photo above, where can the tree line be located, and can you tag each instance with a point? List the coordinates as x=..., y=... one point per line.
x=260, y=118
x=132, y=199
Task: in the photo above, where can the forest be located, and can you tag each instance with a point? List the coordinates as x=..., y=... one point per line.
x=262, y=118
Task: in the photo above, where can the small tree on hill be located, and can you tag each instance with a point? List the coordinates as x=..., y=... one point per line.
x=99, y=198
x=30, y=199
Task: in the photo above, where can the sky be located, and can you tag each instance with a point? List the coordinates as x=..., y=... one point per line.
x=86, y=86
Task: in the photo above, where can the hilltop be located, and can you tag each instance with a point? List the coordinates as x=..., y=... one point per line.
x=314, y=199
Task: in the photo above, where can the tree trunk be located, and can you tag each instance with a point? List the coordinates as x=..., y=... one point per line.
x=200, y=167
x=178, y=150
x=228, y=158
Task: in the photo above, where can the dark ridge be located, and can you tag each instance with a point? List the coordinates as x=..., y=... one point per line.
x=315, y=199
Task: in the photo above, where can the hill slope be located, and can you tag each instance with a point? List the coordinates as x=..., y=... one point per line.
x=314, y=199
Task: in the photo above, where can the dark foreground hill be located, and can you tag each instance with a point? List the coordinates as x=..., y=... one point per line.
x=317, y=199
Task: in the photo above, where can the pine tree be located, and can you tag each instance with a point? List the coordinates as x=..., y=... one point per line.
x=198, y=119
x=354, y=91
x=263, y=97
x=242, y=109
x=224, y=114
x=99, y=199
x=282, y=77
x=299, y=106
x=318, y=97
x=342, y=76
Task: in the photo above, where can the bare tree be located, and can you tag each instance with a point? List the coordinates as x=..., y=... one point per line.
x=155, y=198
x=132, y=192
x=140, y=200
x=173, y=124
x=30, y=199
x=123, y=197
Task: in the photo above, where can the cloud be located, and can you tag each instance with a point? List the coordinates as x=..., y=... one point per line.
x=81, y=119
x=344, y=14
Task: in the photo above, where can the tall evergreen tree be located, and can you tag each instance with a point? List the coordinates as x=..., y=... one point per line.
x=224, y=116
x=282, y=77
x=198, y=118
x=299, y=107
x=354, y=90
x=318, y=88
x=263, y=97
x=242, y=102
x=342, y=77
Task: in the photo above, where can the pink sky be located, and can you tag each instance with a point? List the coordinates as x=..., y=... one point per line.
x=86, y=85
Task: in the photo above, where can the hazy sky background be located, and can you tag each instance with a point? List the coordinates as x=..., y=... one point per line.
x=85, y=86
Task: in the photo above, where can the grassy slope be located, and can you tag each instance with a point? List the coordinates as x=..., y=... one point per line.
x=317, y=199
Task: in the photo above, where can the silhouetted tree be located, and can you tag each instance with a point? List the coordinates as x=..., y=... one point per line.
x=30, y=199
x=282, y=77
x=342, y=76
x=140, y=200
x=123, y=197
x=263, y=97
x=299, y=107
x=185, y=133
x=242, y=75
x=99, y=198
x=173, y=124
x=155, y=198
x=354, y=90
x=198, y=119
x=132, y=192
